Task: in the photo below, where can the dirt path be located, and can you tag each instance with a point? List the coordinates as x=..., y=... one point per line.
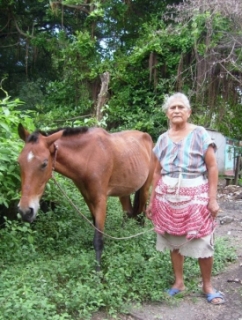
x=195, y=307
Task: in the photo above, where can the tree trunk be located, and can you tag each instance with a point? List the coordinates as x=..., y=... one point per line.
x=103, y=94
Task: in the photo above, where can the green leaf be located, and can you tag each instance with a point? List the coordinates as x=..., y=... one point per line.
x=4, y=126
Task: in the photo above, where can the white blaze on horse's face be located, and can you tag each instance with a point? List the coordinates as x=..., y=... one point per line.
x=30, y=156
x=34, y=203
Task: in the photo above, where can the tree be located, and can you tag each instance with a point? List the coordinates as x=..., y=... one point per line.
x=24, y=46
x=212, y=68
x=55, y=52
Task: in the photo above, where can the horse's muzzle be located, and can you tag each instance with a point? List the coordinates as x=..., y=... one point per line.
x=27, y=215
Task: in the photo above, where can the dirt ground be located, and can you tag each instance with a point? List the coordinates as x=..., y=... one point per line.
x=195, y=307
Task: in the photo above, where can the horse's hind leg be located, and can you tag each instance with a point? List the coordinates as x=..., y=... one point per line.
x=140, y=201
x=126, y=206
x=142, y=195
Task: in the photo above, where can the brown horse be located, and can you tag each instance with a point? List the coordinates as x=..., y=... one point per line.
x=100, y=164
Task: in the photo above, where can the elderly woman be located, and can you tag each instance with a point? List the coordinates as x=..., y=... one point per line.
x=183, y=201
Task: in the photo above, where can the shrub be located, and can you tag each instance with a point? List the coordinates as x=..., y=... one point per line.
x=10, y=146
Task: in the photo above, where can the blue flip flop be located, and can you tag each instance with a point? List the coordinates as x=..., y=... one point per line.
x=173, y=291
x=214, y=295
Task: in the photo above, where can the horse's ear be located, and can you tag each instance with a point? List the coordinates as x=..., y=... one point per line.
x=50, y=140
x=23, y=133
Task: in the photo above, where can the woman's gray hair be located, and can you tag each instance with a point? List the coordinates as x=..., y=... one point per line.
x=176, y=96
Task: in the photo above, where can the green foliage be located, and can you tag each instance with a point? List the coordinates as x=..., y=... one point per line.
x=204, y=23
x=54, y=53
x=60, y=94
x=31, y=93
x=136, y=109
x=68, y=96
x=10, y=148
x=220, y=260
x=48, y=267
x=230, y=124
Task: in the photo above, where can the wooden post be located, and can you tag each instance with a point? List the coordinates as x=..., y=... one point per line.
x=237, y=170
x=103, y=94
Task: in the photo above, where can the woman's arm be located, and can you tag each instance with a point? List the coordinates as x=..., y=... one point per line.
x=156, y=177
x=212, y=170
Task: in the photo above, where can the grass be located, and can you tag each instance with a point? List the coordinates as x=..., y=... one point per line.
x=47, y=268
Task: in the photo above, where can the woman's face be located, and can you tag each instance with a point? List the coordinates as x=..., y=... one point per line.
x=178, y=113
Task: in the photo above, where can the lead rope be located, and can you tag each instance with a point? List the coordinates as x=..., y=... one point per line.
x=105, y=234
x=81, y=214
x=116, y=238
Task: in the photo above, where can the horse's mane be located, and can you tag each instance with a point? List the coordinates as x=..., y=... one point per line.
x=67, y=131
x=33, y=137
x=71, y=131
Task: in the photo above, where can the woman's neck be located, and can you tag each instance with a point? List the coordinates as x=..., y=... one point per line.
x=179, y=127
x=179, y=132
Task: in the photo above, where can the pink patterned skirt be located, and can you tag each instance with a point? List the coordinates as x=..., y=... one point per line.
x=180, y=207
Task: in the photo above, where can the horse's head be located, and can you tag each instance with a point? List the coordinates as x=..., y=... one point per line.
x=35, y=162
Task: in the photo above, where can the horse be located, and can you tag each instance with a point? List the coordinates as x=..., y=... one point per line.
x=101, y=164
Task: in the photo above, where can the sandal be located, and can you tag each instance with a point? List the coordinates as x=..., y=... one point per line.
x=173, y=291
x=211, y=296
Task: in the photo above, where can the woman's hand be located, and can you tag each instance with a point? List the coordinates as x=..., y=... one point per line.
x=148, y=212
x=213, y=207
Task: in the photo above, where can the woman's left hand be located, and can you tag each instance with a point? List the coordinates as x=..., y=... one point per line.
x=149, y=212
x=213, y=207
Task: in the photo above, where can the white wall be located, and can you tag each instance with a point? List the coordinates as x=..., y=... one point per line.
x=220, y=142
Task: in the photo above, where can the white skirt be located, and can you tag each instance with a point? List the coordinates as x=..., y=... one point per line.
x=194, y=248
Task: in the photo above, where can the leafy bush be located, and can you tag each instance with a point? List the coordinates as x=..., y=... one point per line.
x=48, y=266
x=10, y=146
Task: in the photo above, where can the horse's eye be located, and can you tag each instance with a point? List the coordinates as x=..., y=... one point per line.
x=44, y=164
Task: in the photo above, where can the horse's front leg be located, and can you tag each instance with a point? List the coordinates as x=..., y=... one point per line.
x=99, y=216
x=98, y=246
